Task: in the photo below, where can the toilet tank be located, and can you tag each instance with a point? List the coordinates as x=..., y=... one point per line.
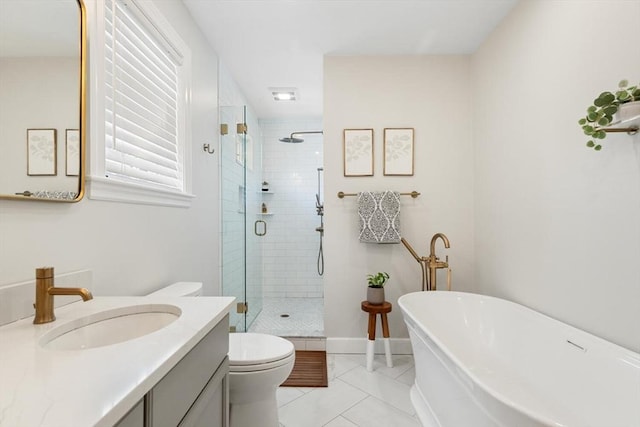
x=180, y=289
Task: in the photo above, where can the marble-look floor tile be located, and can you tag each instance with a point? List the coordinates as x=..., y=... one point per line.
x=340, y=422
x=408, y=378
x=287, y=394
x=338, y=364
x=401, y=364
x=355, y=397
x=380, y=386
x=320, y=406
x=373, y=412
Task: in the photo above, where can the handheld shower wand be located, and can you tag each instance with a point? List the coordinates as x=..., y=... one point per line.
x=320, y=212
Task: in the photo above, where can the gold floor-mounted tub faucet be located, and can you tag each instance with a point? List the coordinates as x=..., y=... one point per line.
x=45, y=292
x=434, y=262
x=431, y=263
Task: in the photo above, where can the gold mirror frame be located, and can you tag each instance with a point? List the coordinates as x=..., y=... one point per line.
x=82, y=122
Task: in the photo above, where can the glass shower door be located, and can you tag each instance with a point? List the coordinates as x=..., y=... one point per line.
x=242, y=227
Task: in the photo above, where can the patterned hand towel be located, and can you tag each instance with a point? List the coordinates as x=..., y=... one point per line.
x=379, y=213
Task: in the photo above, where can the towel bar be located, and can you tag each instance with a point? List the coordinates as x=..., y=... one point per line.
x=342, y=194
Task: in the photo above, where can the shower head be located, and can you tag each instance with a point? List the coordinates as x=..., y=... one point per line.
x=292, y=139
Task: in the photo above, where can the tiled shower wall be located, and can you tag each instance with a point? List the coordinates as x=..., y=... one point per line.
x=290, y=248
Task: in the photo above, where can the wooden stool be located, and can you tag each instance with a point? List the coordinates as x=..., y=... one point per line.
x=382, y=310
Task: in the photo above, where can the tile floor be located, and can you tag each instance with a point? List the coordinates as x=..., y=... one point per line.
x=354, y=397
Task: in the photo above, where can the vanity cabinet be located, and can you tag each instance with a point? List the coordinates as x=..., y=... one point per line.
x=195, y=391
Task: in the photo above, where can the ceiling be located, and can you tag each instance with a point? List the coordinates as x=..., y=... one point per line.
x=281, y=43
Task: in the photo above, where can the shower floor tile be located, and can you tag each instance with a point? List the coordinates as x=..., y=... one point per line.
x=291, y=317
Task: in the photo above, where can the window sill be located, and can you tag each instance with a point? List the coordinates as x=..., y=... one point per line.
x=100, y=188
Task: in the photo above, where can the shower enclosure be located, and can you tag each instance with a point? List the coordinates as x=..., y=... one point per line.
x=293, y=291
x=272, y=211
x=243, y=226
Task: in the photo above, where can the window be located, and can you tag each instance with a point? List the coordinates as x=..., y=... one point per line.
x=143, y=87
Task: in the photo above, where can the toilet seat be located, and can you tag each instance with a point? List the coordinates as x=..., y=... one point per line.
x=249, y=352
x=261, y=367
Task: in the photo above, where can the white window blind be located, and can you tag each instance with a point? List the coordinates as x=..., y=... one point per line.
x=142, y=100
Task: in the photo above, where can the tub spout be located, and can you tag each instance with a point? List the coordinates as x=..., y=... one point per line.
x=45, y=292
x=434, y=239
x=434, y=263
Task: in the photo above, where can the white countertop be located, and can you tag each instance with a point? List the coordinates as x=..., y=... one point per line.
x=97, y=386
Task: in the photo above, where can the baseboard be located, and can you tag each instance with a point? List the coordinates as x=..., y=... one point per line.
x=359, y=345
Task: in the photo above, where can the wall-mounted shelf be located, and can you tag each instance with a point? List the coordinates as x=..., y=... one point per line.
x=629, y=126
x=265, y=213
x=266, y=192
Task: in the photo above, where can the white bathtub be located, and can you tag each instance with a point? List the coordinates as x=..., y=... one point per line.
x=483, y=361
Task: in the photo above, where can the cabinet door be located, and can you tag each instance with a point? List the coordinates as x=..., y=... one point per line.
x=134, y=418
x=211, y=408
x=175, y=393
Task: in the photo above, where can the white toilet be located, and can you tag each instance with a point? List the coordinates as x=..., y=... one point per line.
x=258, y=364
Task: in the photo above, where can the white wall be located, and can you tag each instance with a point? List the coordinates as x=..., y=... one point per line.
x=430, y=94
x=557, y=224
x=121, y=243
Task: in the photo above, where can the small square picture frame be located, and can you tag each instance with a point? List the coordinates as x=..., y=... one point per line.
x=42, y=152
x=358, y=152
x=398, y=152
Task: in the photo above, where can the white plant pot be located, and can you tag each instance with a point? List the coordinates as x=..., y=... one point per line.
x=627, y=111
x=375, y=296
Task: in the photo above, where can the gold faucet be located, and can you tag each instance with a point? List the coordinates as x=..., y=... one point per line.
x=45, y=292
x=431, y=263
x=434, y=263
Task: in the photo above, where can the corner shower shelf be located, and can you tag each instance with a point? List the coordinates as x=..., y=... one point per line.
x=629, y=126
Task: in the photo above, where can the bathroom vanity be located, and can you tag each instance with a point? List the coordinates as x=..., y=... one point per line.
x=87, y=369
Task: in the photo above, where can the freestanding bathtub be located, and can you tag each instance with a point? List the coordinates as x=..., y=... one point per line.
x=483, y=361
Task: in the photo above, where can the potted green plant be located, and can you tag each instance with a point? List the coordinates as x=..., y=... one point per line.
x=607, y=105
x=375, y=291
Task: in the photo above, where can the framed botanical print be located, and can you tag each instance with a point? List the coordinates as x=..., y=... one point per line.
x=358, y=152
x=398, y=151
x=41, y=152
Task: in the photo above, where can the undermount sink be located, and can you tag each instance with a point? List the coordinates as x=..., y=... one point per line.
x=110, y=327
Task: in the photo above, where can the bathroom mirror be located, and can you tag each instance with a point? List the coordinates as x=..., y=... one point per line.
x=42, y=99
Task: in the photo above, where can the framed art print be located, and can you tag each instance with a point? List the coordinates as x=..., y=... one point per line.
x=41, y=152
x=358, y=152
x=398, y=151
